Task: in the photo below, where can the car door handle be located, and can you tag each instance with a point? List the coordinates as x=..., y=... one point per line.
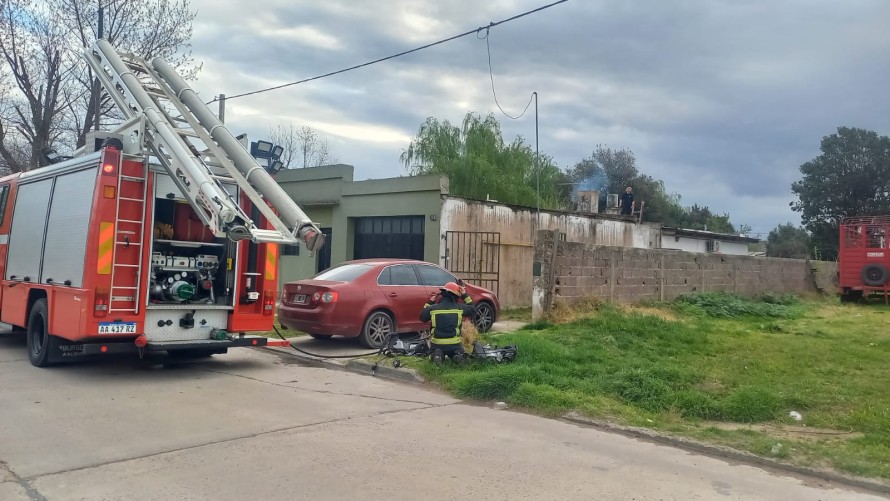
x=393, y=294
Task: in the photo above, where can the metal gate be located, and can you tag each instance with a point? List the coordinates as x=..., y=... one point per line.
x=474, y=256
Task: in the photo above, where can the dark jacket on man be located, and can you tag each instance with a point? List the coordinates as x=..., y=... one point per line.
x=446, y=318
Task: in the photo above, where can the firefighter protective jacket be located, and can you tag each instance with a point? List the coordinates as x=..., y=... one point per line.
x=446, y=318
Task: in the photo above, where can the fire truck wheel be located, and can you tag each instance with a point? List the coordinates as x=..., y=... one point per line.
x=40, y=342
x=875, y=275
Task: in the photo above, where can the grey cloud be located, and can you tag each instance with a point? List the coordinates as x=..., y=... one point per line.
x=735, y=93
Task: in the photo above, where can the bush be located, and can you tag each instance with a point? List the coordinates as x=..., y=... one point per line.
x=726, y=305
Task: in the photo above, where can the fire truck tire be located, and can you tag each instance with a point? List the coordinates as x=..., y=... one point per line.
x=875, y=275
x=40, y=342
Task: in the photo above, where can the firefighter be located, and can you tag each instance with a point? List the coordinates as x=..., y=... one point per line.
x=446, y=317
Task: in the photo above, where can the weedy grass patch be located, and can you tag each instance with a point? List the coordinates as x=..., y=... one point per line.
x=708, y=358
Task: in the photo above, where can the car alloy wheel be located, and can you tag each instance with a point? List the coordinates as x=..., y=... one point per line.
x=484, y=318
x=377, y=329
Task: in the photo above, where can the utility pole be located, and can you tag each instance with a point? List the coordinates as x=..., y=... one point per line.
x=222, y=108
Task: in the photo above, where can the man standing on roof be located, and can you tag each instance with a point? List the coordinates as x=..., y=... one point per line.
x=446, y=318
x=627, y=201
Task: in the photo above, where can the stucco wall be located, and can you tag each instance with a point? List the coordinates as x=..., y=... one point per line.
x=517, y=225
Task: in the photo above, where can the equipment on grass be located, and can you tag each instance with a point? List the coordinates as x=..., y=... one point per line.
x=486, y=352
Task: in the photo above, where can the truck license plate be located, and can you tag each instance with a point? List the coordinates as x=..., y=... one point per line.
x=117, y=328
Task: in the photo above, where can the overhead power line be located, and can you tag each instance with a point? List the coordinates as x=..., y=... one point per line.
x=400, y=54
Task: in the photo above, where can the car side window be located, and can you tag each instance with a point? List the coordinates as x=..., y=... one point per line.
x=385, y=277
x=433, y=276
x=403, y=275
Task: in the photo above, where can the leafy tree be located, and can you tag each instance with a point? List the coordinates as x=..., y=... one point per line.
x=480, y=164
x=851, y=177
x=786, y=240
x=701, y=218
x=52, y=103
x=605, y=170
x=611, y=171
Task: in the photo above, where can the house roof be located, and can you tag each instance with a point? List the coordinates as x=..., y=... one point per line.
x=708, y=235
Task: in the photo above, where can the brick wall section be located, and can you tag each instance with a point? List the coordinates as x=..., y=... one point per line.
x=572, y=271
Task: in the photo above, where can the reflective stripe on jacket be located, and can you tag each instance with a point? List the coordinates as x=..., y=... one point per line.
x=446, y=318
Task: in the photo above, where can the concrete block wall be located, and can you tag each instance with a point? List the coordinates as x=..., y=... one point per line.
x=572, y=271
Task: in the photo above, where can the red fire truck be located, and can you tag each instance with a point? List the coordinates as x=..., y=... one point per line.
x=161, y=235
x=864, y=258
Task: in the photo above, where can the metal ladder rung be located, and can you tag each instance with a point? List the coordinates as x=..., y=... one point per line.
x=128, y=199
x=127, y=265
x=185, y=132
x=129, y=221
x=133, y=179
x=129, y=243
x=127, y=287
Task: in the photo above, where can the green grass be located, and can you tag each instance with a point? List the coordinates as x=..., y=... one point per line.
x=711, y=358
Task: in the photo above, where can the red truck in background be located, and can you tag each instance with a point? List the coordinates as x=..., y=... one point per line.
x=161, y=235
x=864, y=257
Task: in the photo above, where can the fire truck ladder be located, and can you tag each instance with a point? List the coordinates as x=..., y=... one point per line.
x=128, y=233
x=175, y=118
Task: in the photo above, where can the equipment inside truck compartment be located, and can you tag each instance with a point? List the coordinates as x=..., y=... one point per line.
x=188, y=264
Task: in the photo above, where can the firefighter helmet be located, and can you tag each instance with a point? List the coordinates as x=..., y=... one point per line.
x=451, y=287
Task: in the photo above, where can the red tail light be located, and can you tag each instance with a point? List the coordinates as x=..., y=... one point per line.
x=111, y=159
x=325, y=297
x=100, y=303
x=268, y=302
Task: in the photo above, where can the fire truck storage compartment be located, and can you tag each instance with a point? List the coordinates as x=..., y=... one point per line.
x=51, y=218
x=189, y=264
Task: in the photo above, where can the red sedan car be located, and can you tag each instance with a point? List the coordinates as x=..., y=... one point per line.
x=370, y=298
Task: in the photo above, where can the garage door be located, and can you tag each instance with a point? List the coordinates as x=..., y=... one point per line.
x=397, y=237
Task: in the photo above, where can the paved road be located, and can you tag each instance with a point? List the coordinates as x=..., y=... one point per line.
x=255, y=425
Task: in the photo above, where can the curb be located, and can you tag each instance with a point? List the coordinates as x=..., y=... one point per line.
x=727, y=453
x=363, y=366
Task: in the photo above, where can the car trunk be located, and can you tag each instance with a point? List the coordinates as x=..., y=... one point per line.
x=308, y=293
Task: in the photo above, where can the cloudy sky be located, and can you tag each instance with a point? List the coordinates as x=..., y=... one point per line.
x=721, y=99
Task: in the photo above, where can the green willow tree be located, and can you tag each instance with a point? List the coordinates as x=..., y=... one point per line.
x=480, y=164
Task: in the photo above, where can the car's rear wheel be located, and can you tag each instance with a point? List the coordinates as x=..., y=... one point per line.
x=484, y=318
x=321, y=337
x=378, y=326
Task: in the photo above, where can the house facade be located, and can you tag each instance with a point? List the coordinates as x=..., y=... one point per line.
x=483, y=242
